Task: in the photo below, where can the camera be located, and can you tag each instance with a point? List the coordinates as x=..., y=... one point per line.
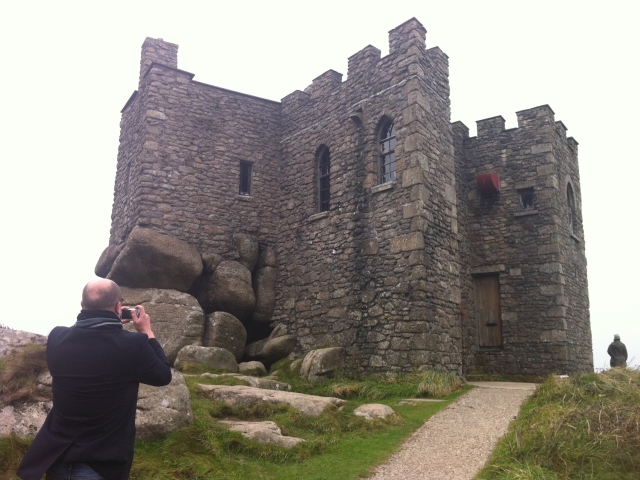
x=127, y=313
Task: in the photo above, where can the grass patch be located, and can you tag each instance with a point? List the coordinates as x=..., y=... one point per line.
x=583, y=427
x=12, y=449
x=19, y=375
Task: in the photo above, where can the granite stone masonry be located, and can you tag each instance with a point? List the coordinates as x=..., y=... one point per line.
x=395, y=234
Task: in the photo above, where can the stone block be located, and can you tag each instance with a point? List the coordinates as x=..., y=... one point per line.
x=407, y=243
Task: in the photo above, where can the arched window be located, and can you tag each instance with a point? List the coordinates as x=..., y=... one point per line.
x=571, y=202
x=387, y=167
x=324, y=182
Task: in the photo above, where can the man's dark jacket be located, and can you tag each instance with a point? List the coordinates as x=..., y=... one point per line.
x=96, y=368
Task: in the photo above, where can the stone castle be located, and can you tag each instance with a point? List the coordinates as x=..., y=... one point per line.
x=397, y=235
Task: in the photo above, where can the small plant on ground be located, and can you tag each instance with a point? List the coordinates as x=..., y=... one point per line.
x=438, y=384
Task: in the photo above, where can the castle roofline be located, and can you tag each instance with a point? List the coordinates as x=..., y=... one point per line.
x=156, y=64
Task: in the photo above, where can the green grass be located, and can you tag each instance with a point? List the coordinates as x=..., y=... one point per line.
x=338, y=444
x=587, y=427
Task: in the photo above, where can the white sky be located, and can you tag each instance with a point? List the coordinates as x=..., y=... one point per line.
x=69, y=67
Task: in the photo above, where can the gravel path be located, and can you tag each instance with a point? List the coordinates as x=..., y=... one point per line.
x=456, y=442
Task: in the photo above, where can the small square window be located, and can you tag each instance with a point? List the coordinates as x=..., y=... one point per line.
x=526, y=198
x=245, y=178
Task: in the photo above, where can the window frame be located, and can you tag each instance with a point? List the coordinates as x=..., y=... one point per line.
x=571, y=204
x=246, y=176
x=323, y=178
x=387, y=142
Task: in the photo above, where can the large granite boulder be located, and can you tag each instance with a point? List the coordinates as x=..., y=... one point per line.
x=163, y=410
x=264, y=286
x=221, y=329
x=227, y=289
x=151, y=259
x=267, y=257
x=256, y=382
x=322, y=364
x=262, y=432
x=10, y=339
x=308, y=405
x=278, y=346
x=176, y=318
x=108, y=256
x=247, y=247
x=212, y=357
x=371, y=411
x=252, y=368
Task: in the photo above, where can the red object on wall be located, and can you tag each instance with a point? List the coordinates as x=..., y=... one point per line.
x=488, y=182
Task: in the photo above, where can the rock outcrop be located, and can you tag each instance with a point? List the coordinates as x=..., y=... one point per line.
x=10, y=339
x=223, y=330
x=373, y=410
x=322, y=364
x=227, y=289
x=309, y=405
x=212, y=357
x=176, y=317
x=256, y=382
x=151, y=259
x=252, y=367
x=23, y=420
x=278, y=346
x=163, y=410
x=247, y=247
x=108, y=256
x=262, y=432
x=264, y=286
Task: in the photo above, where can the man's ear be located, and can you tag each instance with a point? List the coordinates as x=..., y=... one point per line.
x=82, y=305
x=118, y=309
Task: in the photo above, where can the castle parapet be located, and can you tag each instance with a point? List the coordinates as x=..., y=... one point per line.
x=490, y=126
x=410, y=34
x=324, y=83
x=363, y=62
x=156, y=50
x=536, y=117
x=460, y=130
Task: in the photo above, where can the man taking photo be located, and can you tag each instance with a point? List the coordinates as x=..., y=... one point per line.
x=96, y=368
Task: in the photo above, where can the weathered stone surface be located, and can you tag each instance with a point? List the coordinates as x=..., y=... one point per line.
x=108, y=256
x=247, y=247
x=10, y=339
x=227, y=289
x=373, y=410
x=264, y=286
x=278, y=348
x=267, y=257
x=151, y=259
x=23, y=420
x=254, y=349
x=322, y=364
x=213, y=357
x=309, y=405
x=210, y=262
x=163, y=410
x=256, y=382
x=262, y=432
x=221, y=329
x=176, y=317
x=252, y=366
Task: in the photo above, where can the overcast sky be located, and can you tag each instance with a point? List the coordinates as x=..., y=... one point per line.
x=69, y=68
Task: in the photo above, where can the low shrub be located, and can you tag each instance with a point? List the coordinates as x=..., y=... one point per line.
x=19, y=375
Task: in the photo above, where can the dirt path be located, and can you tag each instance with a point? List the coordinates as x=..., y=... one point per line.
x=456, y=442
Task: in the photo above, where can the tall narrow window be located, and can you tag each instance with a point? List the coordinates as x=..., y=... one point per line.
x=526, y=198
x=388, y=152
x=324, y=181
x=245, y=178
x=571, y=203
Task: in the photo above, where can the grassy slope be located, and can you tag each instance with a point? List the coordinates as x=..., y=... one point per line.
x=587, y=427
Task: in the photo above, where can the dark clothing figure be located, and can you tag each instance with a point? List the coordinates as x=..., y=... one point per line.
x=96, y=368
x=618, y=352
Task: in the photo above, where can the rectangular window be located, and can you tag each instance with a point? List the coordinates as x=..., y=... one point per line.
x=526, y=198
x=245, y=178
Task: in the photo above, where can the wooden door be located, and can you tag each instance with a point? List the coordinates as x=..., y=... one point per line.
x=487, y=289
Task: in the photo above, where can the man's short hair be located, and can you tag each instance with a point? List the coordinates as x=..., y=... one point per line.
x=101, y=294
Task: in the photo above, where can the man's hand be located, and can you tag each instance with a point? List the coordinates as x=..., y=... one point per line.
x=142, y=321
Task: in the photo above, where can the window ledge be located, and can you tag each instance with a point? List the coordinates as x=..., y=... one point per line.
x=245, y=198
x=383, y=186
x=577, y=240
x=524, y=213
x=318, y=216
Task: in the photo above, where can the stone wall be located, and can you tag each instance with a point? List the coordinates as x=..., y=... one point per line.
x=529, y=249
x=179, y=161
